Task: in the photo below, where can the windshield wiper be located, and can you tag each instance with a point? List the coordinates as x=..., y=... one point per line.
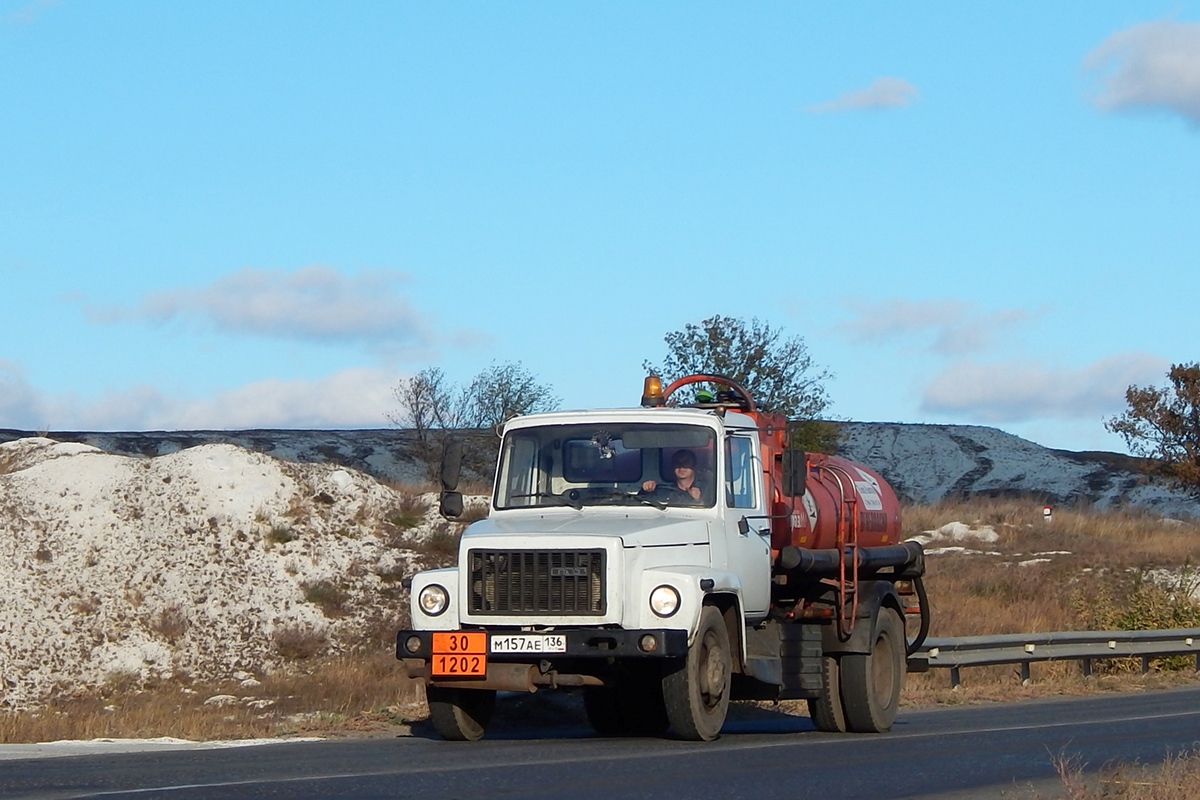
x=649, y=501
x=560, y=499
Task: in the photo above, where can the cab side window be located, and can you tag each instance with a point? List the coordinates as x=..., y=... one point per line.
x=740, y=485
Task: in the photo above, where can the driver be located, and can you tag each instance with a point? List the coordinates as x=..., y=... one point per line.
x=684, y=465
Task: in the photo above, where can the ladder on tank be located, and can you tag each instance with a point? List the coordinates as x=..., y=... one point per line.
x=847, y=545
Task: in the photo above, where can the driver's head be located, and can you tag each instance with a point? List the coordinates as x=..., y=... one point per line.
x=683, y=459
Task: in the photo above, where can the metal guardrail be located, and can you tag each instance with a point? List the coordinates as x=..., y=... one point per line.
x=1026, y=648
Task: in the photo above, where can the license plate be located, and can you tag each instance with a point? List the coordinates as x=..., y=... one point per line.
x=459, y=654
x=530, y=643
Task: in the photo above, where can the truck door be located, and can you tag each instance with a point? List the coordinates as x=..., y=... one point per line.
x=749, y=553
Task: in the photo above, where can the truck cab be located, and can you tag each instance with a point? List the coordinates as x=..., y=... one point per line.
x=636, y=554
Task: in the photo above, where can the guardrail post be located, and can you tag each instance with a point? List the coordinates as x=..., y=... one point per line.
x=1197, y=662
x=1145, y=664
x=1087, y=667
x=1025, y=673
x=956, y=679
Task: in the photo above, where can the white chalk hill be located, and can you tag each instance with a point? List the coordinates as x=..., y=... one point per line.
x=200, y=563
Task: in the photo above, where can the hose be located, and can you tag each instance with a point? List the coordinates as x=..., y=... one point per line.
x=923, y=631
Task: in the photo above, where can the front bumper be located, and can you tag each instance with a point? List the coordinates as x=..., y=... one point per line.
x=582, y=643
x=593, y=657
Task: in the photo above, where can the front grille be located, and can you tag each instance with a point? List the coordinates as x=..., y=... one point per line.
x=537, y=581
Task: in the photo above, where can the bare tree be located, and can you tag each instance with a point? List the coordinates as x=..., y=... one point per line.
x=1164, y=424
x=503, y=391
x=434, y=408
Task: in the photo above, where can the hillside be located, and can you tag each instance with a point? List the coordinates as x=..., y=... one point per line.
x=212, y=562
x=924, y=462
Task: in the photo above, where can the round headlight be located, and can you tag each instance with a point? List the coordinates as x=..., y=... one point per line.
x=664, y=601
x=433, y=599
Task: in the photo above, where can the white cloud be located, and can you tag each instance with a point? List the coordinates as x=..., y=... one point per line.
x=1019, y=391
x=883, y=92
x=352, y=398
x=29, y=13
x=20, y=405
x=356, y=397
x=1154, y=65
x=956, y=326
x=315, y=303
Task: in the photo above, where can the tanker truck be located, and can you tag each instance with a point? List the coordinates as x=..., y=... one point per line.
x=666, y=560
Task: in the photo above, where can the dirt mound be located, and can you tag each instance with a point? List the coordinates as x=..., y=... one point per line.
x=212, y=562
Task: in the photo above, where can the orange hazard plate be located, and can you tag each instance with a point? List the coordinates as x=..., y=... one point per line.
x=459, y=654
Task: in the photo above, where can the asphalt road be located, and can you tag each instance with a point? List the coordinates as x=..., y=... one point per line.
x=971, y=752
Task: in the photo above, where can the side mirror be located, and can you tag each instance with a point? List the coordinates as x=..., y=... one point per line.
x=452, y=458
x=795, y=473
x=451, y=504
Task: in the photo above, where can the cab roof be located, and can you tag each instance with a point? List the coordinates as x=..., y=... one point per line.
x=676, y=416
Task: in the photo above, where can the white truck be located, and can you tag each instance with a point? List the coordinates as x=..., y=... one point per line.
x=665, y=561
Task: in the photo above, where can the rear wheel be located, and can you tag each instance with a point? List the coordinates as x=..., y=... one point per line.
x=826, y=711
x=871, y=682
x=697, y=694
x=460, y=715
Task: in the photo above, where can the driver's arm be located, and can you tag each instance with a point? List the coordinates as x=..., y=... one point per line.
x=649, y=486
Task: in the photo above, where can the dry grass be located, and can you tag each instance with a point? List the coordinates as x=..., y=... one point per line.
x=1099, y=583
x=1176, y=778
x=408, y=512
x=985, y=594
x=348, y=696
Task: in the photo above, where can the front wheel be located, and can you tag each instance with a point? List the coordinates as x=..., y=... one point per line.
x=871, y=682
x=460, y=715
x=697, y=694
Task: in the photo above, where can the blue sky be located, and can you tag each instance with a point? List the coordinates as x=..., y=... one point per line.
x=266, y=214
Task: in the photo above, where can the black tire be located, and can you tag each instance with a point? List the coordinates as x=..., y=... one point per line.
x=642, y=707
x=460, y=715
x=697, y=693
x=634, y=707
x=826, y=711
x=871, y=682
x=603, y=713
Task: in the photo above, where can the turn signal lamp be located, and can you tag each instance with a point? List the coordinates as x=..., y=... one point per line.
x=652, y=391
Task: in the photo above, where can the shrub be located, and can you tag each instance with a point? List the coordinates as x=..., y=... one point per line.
x=329, y=596
x=442, y=543
x=170, y=622
x=282, y=534
x=298, y=641
x=408, y=512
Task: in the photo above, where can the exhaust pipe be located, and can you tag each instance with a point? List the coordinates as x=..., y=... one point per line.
x=520, y=678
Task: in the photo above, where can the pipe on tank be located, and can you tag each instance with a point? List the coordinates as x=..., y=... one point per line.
x=819, y=562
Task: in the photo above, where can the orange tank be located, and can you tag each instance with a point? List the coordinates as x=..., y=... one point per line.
x=843, y=501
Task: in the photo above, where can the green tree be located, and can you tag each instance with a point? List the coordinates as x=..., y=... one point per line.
x=778, y=372
x=1163, y=424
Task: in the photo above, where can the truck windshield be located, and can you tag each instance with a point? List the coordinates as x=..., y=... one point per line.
x=659, y=465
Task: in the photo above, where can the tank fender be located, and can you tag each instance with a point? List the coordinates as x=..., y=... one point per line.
x=873, y=595
x=697, y=587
